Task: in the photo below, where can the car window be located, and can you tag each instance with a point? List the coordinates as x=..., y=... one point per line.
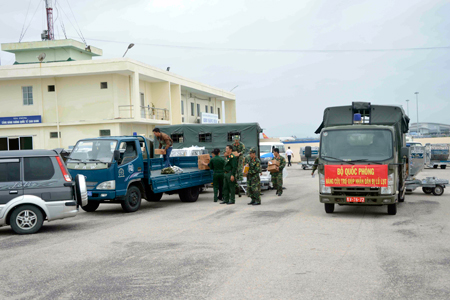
x=10, y=171
x=127, y=152
x=38, y=168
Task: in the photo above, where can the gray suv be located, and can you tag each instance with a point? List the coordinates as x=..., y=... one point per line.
x=35, y=186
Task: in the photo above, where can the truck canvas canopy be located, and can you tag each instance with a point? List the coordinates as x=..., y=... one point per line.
x=375, y=114
x=212, y=136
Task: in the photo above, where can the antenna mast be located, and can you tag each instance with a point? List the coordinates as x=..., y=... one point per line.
x=48, y=34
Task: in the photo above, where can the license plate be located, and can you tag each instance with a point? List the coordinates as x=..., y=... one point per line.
x=89, y=194
x=356, y=199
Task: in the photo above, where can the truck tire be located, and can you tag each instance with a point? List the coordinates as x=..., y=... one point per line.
x=152, y=197
x=427, y=190
x=26, y=219
x=438, y=190
x=435, y=166
x=91, y=206
x=443, y=167
x=329, y=208
x=392, y=209
x=132, y=200
x=189, y=194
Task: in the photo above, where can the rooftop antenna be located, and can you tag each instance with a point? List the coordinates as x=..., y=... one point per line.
x=48, y=34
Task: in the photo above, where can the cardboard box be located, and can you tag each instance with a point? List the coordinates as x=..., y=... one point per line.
x=160, y=152
x=272, y=168
x=274, y=162
x=204, y=158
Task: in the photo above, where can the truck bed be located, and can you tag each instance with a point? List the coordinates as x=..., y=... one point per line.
x=190, y=177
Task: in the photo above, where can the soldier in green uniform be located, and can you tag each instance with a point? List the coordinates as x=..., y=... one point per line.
x=229, y=181
x=240, y=149
x=277, y=177
x=315, y=166
x=253, y=179
x=216, y=164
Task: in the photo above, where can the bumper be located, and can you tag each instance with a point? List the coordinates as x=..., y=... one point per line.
x=61, y=210
x=100, y=195
x=369, y=200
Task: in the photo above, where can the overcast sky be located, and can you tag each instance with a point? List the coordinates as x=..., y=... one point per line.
x=285, y=91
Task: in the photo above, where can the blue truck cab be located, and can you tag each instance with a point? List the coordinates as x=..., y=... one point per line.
x=122, y=170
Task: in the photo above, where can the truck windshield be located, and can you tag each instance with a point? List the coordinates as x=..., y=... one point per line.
x=356, y=144
x=93, y=151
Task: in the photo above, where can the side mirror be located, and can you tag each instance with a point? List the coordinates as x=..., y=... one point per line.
x=308, y=152
x=117, y=155
x=404, y=152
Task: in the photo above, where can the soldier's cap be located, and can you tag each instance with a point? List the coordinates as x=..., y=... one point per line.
x=252, y=150
x=236, y=137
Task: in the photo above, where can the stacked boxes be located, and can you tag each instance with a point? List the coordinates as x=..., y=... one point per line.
x=204, y=158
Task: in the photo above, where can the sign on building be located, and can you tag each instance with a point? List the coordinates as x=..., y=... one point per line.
x=20, y=120
x=209, y=118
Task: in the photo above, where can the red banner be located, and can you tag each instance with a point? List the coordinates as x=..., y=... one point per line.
x=356, y=175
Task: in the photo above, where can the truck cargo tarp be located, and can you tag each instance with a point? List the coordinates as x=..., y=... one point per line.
x=379, y=115
x=212, y=136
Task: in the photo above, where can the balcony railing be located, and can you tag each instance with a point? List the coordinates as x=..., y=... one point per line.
x=147, y=112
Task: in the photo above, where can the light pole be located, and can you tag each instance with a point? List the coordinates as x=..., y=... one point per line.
x=234, y=88
x=129, y=47
x=417, y=104
x=407, y=106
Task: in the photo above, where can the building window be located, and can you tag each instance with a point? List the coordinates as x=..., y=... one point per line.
x=198, y=110
x=177, y=137
x=218, y=112
x=54, y=135
x=206, y=108
x=105, y=132
x=182, y=119
x=182, y=107
x=103, y=85
x=27, y=92
x=192, y=109
x=51, y=88
x=211, y=110
x=16, y=143
x=231, y=135
x=204, y=137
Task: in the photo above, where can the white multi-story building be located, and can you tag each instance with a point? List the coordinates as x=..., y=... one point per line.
x=70, y=93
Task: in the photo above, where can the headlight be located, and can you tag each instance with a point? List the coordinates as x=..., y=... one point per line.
x=389, y=190
x=107, y=185
x=323, y=189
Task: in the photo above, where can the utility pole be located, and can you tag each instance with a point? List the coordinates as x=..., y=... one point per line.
x=417, y=104
x=407, y=106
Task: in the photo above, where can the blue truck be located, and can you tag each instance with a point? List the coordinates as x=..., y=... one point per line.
x=122, y=170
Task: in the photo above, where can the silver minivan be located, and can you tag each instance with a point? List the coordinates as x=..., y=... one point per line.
x=36, y=186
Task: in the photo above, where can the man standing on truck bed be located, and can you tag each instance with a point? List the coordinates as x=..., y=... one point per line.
x=240, y=149
x=166, y=141
x=277, y=177
x=229, y=182
x=253, y=179
x=216, y=164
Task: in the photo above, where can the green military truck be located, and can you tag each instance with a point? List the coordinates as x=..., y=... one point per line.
x=363, y=159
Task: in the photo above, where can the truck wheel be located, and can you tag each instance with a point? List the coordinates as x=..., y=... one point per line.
x=392, y=209
x=443, y=167
x=91, y=206
x=132, y=200
x=438, y=190
x=304, y=167
x=329, y=208
x=189, y=194
x=435, y=166
x=152, y=197
x=427, y=190
x=26, y=219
